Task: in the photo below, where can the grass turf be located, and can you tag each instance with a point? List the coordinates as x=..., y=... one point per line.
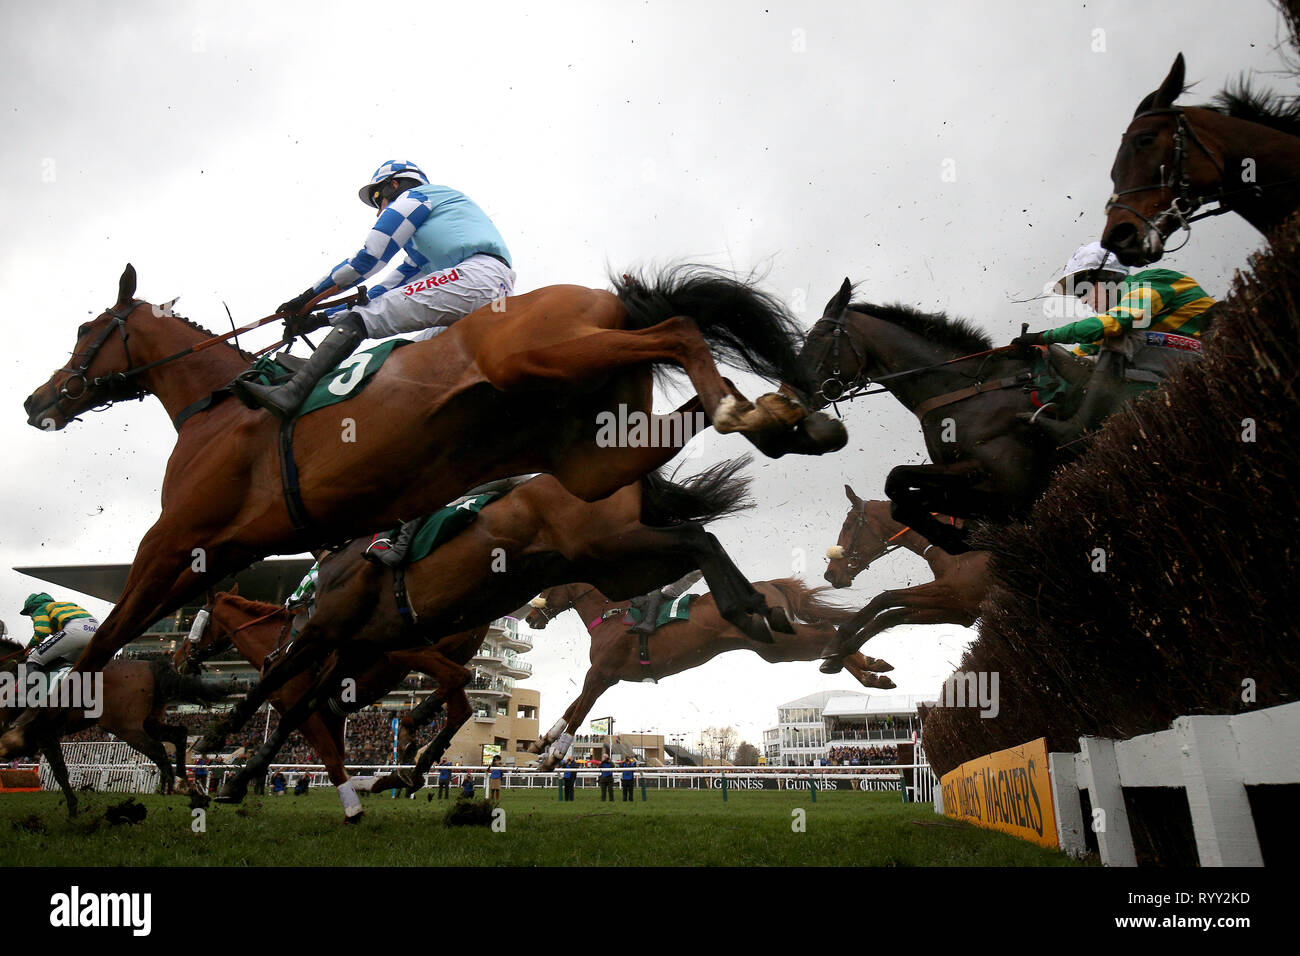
x=683, y=828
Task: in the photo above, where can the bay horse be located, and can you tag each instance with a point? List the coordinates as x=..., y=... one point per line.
x=644, y=536
x=132, y=708
x=987, y=462
x=256, y=629
x=953, y=597
x=1242, y=151
x=520, y=386
x=681, y=645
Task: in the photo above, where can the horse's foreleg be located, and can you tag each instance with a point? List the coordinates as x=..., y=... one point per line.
x=300, y=657
x=596, y=683
x=916, y=491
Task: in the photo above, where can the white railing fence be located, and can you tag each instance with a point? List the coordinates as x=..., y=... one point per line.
x=1213, y=758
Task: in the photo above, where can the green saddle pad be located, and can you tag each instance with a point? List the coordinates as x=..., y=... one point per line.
x=1048, y=386
x=675, y=610
x=346, y=381
x=441, y=526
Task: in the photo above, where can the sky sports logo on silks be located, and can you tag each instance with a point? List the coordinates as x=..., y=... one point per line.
x=76, y=909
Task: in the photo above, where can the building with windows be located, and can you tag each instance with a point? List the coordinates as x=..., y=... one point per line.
x=842, y=726
x=504, y=715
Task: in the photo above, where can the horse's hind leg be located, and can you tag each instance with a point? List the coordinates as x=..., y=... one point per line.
x=152, y=748
x=176, y=735
x=53, y=751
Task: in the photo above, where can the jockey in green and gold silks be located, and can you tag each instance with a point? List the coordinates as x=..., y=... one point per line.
x=1154, y=300
x=1150, y=322
x=61, y=631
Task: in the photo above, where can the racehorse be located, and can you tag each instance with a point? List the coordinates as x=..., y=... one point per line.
x=132, y=705
x=987, y=462
x=953, y=597
x=535, y=536
x=680, y=645
x=520, y=386
x=1242, y=152
x=256, y=629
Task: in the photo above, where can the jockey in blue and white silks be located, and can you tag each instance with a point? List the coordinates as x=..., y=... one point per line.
x=450, y=261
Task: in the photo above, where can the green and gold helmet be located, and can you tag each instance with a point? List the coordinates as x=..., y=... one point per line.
x=35, y=602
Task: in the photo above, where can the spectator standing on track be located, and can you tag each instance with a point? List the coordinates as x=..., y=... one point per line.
x=629, y=778
x=467, y=786
x=607, y=779
x=494, y=779
x=570, y=776
x=444, y=779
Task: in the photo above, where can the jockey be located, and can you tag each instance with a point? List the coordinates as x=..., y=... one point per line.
x=62, y=631
x=1147, y=325
x=455, y=262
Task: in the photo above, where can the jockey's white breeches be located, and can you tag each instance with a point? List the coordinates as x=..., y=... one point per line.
x=436, y=301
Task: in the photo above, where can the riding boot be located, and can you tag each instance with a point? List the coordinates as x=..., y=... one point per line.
x=32, y=667
x=649, y=605
x=1101, y=397
x=392, y=552
x=284, y=400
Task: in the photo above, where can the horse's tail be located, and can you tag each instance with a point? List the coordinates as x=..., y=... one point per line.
x=744, y=327
x=807, y=604
x=170, y=685
x=714, y=493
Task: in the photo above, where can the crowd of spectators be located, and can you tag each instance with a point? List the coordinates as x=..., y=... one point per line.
x=860, y=756
x=368, y=737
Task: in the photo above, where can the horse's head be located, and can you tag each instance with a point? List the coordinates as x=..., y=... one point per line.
x=94, y=375
x=215, y=627
x=830, y=361
x=860, y=541
x=1160, y=172
x=553, y=602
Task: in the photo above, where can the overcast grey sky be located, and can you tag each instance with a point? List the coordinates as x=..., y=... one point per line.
x=219, y=147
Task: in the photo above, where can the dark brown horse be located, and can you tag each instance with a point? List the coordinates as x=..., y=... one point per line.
x=256, y=628
x=1242, y=152
x=953, y=597
x=642, y=537
x=681, y=645
x=132, y=707
x=987, y=463
x=500, y=393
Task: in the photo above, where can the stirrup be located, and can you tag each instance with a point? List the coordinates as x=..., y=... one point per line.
x=380, y=545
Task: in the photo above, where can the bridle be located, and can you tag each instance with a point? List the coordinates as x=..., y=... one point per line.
x=199, y=652
x=1179, y=214
x=852, y=558
x=861, y=383
x=113, y=380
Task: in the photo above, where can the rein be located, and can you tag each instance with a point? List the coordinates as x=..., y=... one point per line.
x=861, y=384
x=120, y=379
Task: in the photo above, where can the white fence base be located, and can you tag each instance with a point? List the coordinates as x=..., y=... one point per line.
x=107, y=766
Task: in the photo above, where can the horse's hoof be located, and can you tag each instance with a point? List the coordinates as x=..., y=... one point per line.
x=778, y=411
x=231, y=794
x=824, y=433
x=832, y=665
x=876, y=665
x=884, y=683
x=778, y=620
x=731, y=414
x=757, y=630
x=355, y=818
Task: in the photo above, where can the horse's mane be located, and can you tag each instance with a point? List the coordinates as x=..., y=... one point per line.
x=248, y=604
x=1267, y=108
x=961, y=334
x=210, y=334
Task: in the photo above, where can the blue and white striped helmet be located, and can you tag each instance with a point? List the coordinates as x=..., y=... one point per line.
x=390, y=170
